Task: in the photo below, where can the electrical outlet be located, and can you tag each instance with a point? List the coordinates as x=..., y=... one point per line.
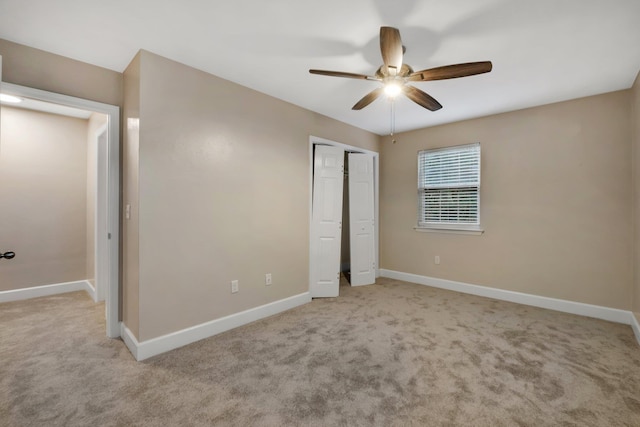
x=267, y=279
x=437, y=260
x=234, y=286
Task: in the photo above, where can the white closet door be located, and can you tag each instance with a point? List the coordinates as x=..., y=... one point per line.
x=361, y=219
x=326, y=222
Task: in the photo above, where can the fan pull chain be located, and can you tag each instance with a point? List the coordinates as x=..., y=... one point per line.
x=392, y=125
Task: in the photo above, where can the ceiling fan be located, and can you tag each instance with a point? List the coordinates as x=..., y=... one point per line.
x=395, y=75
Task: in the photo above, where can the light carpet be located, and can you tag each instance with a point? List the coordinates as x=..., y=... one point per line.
x=389, y=354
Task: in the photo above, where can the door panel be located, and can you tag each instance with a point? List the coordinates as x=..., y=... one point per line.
x=326, y=221
x=361, y=219
x=102, y=207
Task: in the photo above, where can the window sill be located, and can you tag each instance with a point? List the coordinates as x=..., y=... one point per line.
x=476, y=231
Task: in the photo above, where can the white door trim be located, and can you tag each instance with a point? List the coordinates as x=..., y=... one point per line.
x=113, y=185
x=313, y=140
x=100, y=257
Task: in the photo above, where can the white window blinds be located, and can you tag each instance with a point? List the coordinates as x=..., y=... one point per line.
x=449, y=186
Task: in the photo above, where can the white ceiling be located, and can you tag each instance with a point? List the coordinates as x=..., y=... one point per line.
x=543, y=51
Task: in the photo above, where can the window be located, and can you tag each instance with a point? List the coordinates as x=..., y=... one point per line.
x=449, y=188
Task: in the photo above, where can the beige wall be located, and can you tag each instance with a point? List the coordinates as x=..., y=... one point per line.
x=43, y=173
x=635, y=129
x=95, y=123
x=130, y=239
x=555, y=203
x=26, y=66
x=223, y=195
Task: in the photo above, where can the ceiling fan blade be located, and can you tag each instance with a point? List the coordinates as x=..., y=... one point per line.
x=391, y=49
x=421, y=98
x=342, y=74
x=368, y=99
x=452, y=71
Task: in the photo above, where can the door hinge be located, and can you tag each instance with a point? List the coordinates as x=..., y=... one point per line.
x=109, y=236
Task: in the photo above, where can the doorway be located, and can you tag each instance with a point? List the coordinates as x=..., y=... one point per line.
x=107, y=195
x=343, y=216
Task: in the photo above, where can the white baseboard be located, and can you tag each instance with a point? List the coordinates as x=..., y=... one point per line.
x=46, y=290
x=149, y=348
x=91, y=290
x=129, y=340
x=635, y=326
x=588, y=310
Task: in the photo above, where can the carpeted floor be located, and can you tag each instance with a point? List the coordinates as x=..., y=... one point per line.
x=390, y=354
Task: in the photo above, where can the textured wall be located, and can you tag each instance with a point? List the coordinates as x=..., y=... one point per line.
x=35, y=68
x=43, y=175
x=223, y=195
x=555, y=203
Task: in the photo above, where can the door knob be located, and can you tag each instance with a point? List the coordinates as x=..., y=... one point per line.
x=7, y=255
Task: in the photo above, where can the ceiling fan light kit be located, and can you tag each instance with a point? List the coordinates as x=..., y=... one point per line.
x=10, y=99
x=395, y=75
x=392, y=88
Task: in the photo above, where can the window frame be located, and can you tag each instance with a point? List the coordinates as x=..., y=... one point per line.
x=454, y=227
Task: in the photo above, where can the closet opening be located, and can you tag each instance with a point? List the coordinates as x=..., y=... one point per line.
x=343, y=216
